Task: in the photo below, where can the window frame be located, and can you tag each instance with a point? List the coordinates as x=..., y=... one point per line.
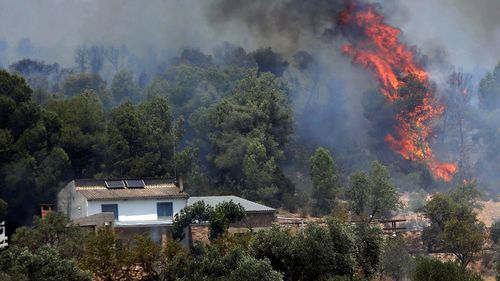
x=115, y=207
x=170, y=204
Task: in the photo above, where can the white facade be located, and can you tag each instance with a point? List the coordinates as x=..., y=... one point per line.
x=136, y=210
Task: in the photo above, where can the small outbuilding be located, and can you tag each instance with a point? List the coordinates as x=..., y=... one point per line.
x=257, y=215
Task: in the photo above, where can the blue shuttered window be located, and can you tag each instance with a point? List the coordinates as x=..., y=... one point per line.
x=111, y=208
x=165, y=210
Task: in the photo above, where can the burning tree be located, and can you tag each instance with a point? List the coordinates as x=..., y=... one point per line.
x=403, y=82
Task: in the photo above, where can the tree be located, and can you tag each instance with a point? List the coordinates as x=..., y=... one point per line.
x=258, y=110
x=489, y=89
x=83, y=132
x=115, y=55
x=83, y=82
x=222, y=216
x=105, y=256
x=124, y=87
x=269, y=61
x=231, y=55
x=454, y=224
x=55, y=230
x=96, y=58
x=395, y=260
x=44, y=264
x=217, y=263
x=82, y=58
x=195, y=57
x=251, y=269
x=147, y=254
x=259, y=171
x=495, y=231
x=369, y=242
x=325, y=177
x=219, y=218
x=141, y=140
x=41, y=77
x=457, y=123
x=372, y=195
x=32, y=164
x=464, y=239
x=317, y=253
x=432, y=269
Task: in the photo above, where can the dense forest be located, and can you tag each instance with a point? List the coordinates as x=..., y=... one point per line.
x=229, y=123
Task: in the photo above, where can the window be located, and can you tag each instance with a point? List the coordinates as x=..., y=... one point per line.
x=110, y=208
x=164, y=210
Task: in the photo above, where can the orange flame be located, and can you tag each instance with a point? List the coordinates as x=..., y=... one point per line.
x=380, y=50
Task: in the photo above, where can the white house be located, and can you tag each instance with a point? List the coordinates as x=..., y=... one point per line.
x=138, y=206
x=133, y=202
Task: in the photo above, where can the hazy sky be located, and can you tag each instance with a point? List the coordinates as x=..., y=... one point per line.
x=469, y=31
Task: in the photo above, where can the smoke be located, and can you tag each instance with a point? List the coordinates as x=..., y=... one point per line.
x=326, y=89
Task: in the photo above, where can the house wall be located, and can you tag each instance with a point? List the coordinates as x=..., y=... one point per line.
x=136, y=210
x=71, y=203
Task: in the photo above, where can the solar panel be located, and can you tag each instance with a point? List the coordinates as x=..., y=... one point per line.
x=115, y=184
x=135, y=183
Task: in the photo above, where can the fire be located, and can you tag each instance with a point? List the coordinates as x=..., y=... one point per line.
x=380, y=50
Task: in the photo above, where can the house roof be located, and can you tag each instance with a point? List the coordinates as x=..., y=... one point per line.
x=248, y=205
x=95, y=190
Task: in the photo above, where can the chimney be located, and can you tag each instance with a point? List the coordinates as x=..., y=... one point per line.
x=181, y=183
x=45, y=209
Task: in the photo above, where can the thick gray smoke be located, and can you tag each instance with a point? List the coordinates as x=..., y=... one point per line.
x=468, y=30
x=448, y=34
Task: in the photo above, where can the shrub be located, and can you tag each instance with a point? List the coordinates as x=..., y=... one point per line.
x=495, y=231
x=428, y=269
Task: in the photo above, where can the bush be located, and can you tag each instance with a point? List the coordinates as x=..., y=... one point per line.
x=396, y=262
x=429, y=269
x=417, y=200
x=44, y=264
x=495, y=231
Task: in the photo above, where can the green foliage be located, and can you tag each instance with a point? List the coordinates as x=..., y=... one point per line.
x=56, y=231
x=317, y=253
x=219, y=218
x=454, y=224
x=81, y=83
x=141, y=140
x=464, y=239
x=259, y=171
x=489, y=89
x=147, y=254
x=124, y=87
x=395, y=261
x=495, y=231
x=369, y=242
x=31, y=162
x=222, y=216
x=257, y=113
x=216, y=263
x=325, y=177
x=428, y=269
x=83, y=128
x=198, y=212
x=372, y=195
x=105, y=256
x=43, y=264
